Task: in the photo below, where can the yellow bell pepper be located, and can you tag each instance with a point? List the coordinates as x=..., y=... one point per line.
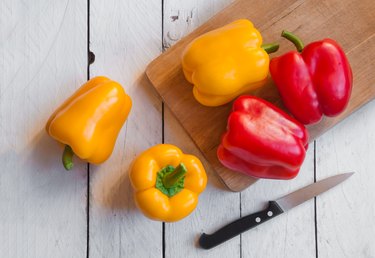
x=227, y=62
x=89, y=121
x=167, y=182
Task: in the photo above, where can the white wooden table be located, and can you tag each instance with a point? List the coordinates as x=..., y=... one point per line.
x=89, y=212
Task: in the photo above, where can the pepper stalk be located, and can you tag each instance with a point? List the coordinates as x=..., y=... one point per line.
x=294, y=39
x=170, y=180
x=67, y=158
x=270, y=47
x=175, y=176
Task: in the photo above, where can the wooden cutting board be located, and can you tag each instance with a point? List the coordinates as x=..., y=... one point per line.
x=351, y=23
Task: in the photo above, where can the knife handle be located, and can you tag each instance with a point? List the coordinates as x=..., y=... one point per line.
x=239, y=226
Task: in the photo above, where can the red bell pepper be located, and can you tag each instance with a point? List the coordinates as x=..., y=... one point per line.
x=262, y=140
x=316, y=81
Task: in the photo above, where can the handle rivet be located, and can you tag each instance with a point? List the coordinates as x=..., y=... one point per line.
x=257, y=220
x=269, y=213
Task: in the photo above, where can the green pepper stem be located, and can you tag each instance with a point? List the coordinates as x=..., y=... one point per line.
x=270, y=48
x=172, y=178
x=294, y=39
x=67, y=158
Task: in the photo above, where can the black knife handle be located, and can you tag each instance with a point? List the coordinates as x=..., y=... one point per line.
x=239, y=226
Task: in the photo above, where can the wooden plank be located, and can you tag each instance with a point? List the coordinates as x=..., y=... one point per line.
x=125, y=36
x=216, y=206
x=344, y=215
x=42, y=61
x=292, y=234
x=346, y=21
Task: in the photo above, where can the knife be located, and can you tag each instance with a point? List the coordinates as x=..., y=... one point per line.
x=274, y=209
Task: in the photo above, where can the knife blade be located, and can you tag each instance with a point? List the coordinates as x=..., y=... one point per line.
x=274, y=209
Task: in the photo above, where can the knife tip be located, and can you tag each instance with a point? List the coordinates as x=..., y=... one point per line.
x=345, y=176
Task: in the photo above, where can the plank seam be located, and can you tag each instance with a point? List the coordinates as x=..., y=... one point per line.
x=315, y=212
x=162, y=115
x=162, y=140
x=240, y=217
x=89, y=62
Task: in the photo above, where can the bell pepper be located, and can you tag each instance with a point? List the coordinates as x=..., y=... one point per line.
x=167, y=182
x=262, y=141
x=224, y=63
x=314, y=81
x=89, y=122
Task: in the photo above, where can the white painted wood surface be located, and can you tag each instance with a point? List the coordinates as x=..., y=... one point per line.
x=43, y=59
x=125, y=36
x=345, y=216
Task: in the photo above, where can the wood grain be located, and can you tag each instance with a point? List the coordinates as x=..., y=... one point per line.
x=345, y=21
x=125, y=36
x=344, y=224
x=345, y=227
x=42, y=61
x=289, y=235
